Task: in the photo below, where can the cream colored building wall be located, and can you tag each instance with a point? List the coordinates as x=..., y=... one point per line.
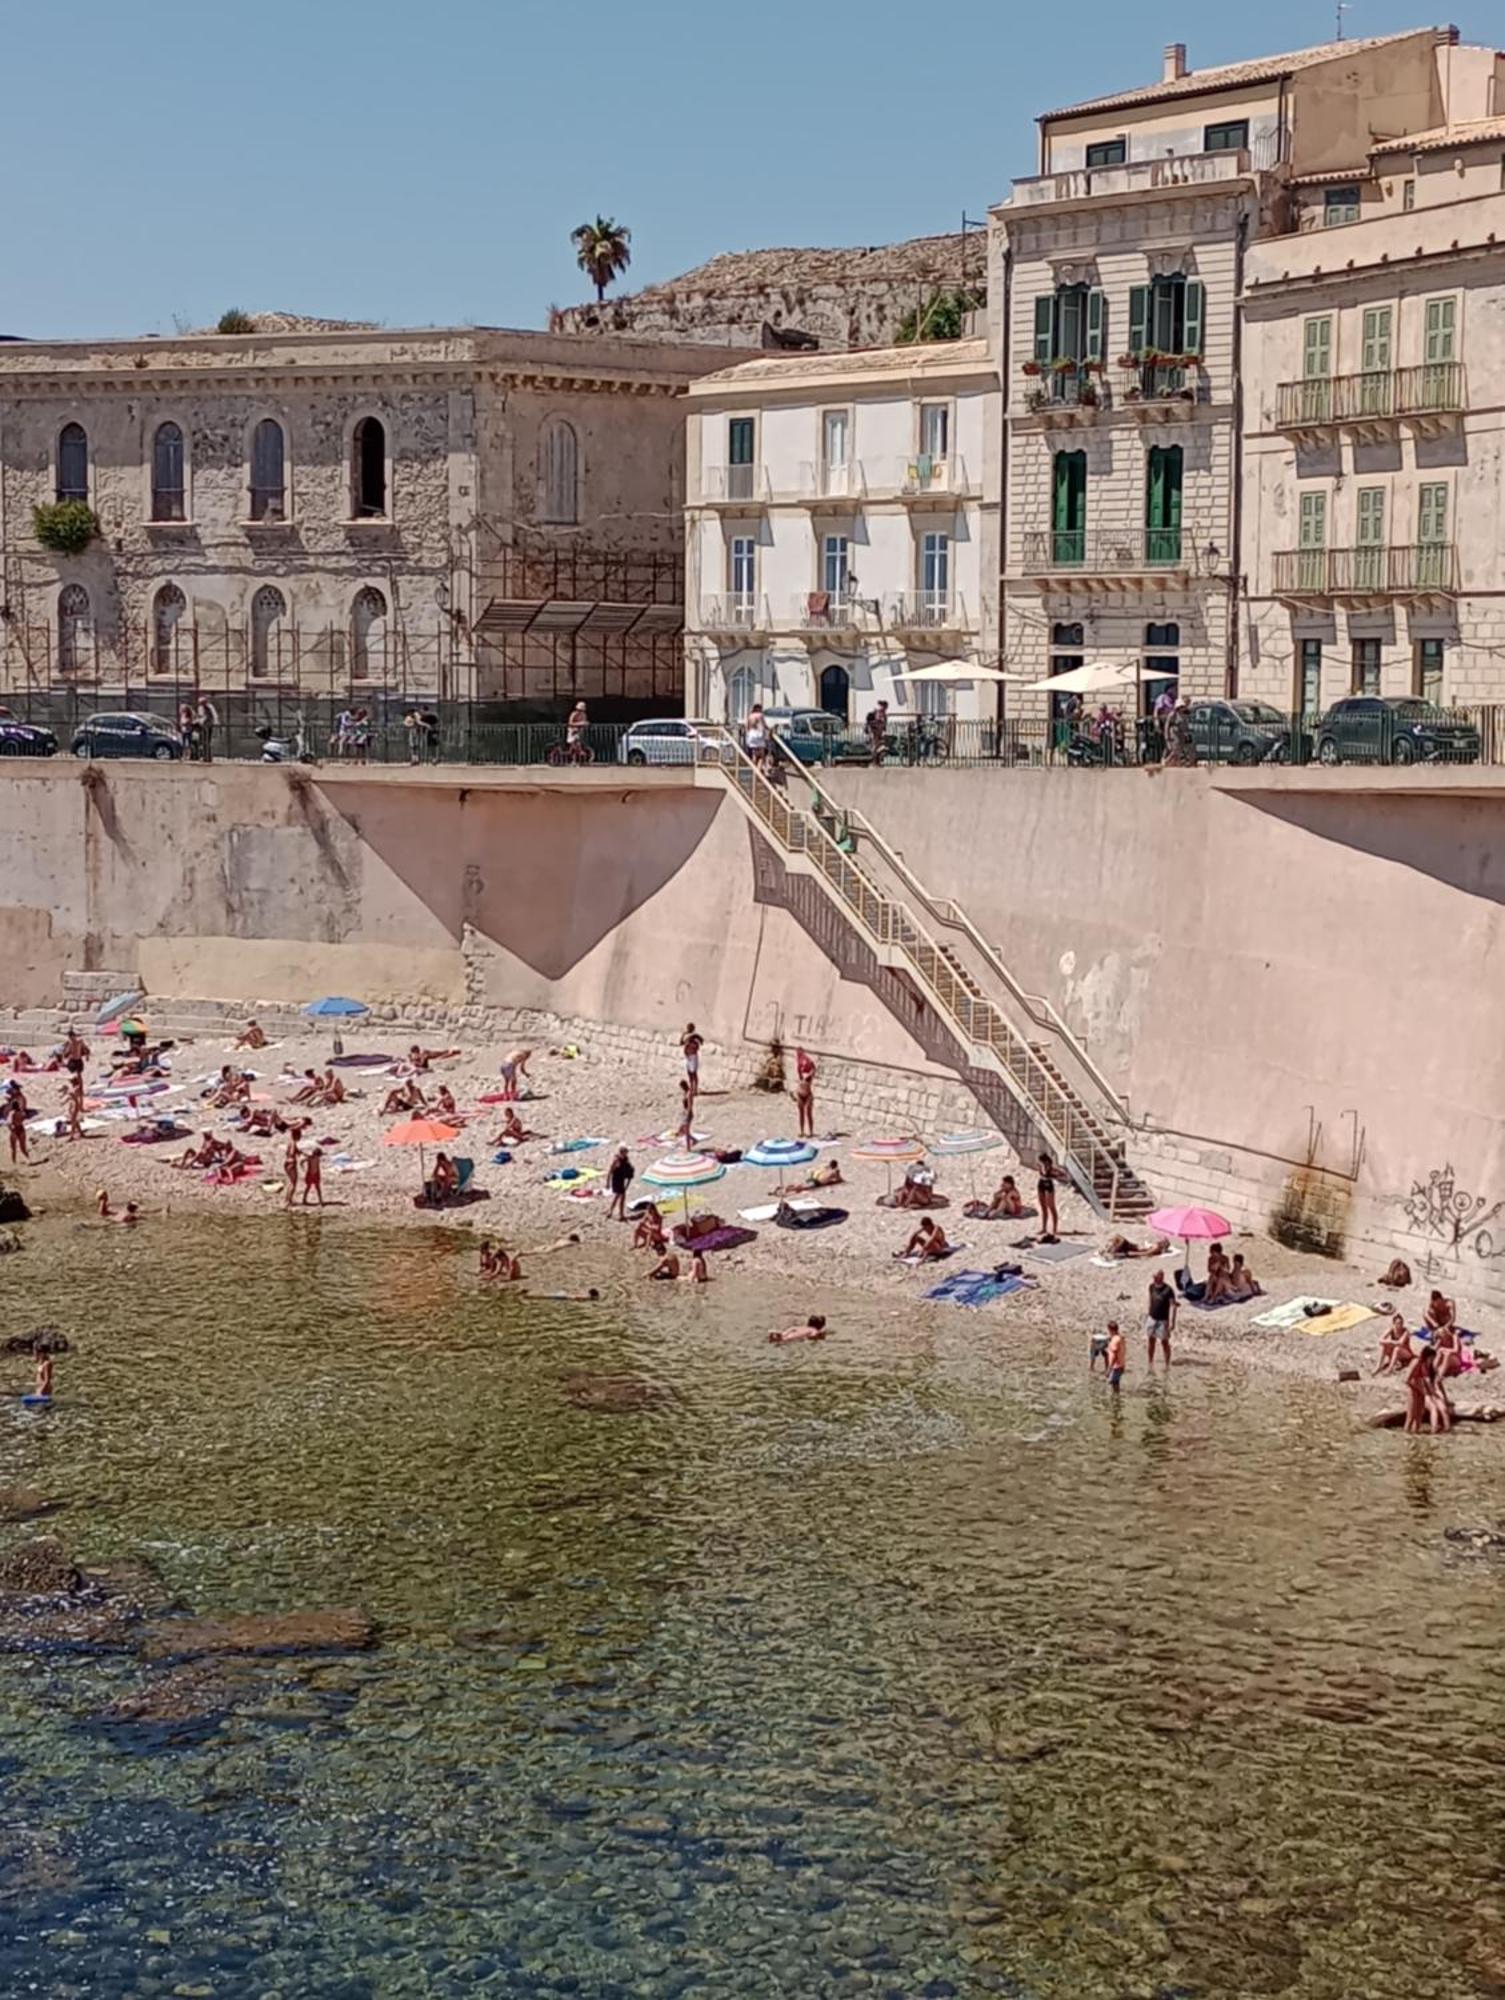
x=1154, y=130
x=1401, y=261
x=1117, y=246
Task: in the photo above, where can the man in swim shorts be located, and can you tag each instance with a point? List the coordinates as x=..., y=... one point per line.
x=1116, y=1355
x=1161, y=1323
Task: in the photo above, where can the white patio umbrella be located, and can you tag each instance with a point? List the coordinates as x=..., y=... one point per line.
x=1092, y=677
x=951, y=671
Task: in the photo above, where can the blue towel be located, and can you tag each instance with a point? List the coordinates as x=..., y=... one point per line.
x=976, y=1288
x=501, y=1157
x=465, y=1173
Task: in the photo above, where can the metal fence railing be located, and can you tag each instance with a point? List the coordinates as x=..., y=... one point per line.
x=347, y=731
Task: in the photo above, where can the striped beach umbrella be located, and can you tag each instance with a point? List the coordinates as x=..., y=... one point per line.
x=684, y=1171
x=897, y=1152
x=956, y=1145
x=781, y=1153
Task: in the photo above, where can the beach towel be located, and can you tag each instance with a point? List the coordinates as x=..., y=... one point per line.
x=569, y=1178
x=1283, y=1318
x=344, y=1166
x=1341, y=1319
x=727, y=1237
x=935, y=1201
x=815, y=1217
x=577, y=1145
x=357, y=1062
x=978, y=1288
x=978, y=1211
x=766, y=1212
x=1212, y=1305
x=1054, y=1253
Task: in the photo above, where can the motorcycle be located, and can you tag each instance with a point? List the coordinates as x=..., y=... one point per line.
x=282, y=749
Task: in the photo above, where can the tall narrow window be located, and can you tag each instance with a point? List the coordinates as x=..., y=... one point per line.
x=1369, y=540
x=268, y=610
x=1408, y=195
x=559, y=472
x=74, y=629
x=742, y=572
x=1311, y=555
x=1162, y=505
x=1374, y=362
x=835, y=445
x=368, y=635
x=1309, y=678
x=1432, y=535
x=741, y=448
x=1366, y=666
x=834, y=570
x=268, y=460
x=167, y=474
x=935, y=432
x=1068, y=507
x=368, y=470
x=169, y=609
x=1426, y=676
x=72, y=463
x=935, y=576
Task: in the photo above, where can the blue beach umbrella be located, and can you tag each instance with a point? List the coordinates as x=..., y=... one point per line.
x=781, y=1153
x=335, y=1009
x=113, y=1009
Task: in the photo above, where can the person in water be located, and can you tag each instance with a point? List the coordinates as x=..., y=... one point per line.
x=43, y=1389
x=815, y=1328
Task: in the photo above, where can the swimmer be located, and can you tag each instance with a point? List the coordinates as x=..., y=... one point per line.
x=815, y=1328
x=128, y=1217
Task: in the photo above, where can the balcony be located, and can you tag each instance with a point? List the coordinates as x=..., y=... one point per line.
x=1161, y=390
x=1370, y=575
x=1142, y=177
x=922, y=480
x=735, y=614
x=825, y=611
x=1095, y=563
x=1429, y=398
x=823, y=485
x=739, y=486
x=1064, y=396
x=924, y=611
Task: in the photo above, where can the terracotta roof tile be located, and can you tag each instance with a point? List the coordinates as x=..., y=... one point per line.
x=1441, y=137
x=932, y=357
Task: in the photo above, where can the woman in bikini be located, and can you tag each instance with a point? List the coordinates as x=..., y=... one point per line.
x=649, y=1234
x=1396, y=1351
x=1045, y=1189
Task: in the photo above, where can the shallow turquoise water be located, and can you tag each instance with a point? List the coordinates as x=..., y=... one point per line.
x=906, y=1665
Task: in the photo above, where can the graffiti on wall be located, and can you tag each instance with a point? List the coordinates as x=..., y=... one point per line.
x=1439, y=1207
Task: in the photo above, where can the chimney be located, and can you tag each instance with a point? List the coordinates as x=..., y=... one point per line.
x=1174, y=62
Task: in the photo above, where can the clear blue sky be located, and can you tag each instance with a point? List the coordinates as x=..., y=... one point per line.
x=423, y=164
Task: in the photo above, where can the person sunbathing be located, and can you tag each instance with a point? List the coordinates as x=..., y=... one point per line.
x=1004, y=1204
x=815, y=1328
x=928, y=1242
x=826, y=1175
x=1219, y=1277
x=1396, y=1351
x=444, y=1181
x=21, y=1061
x=419, y=1059
x=1120, y=1246
x=259, y=1123
x=1440, y=1313
x=445, y=1105
x=666, y=1267
x=251, y=1036
x=514, y=1131
x=204, y=1154
x=308, y=1091
x=1242, y=1283
x=649, y=1234
x=404, y=1097
x=330, y=1090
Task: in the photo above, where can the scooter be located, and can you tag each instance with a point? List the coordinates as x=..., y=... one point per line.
x=282, y=749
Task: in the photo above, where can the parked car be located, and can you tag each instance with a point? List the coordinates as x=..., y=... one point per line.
x=24, y=739
x=123, y=735
x=1245, y=732
x=815, y=736
x=1394, y=729
x=674, y=740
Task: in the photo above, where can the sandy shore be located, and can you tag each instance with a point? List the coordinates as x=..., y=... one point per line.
x=604, y=1099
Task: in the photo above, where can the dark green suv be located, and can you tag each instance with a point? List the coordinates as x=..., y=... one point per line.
x=1244, y=732
x=1394, y=729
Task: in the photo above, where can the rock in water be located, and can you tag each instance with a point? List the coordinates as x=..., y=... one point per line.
x=345, y=1631
x=25, y=1503
x=40, y=1568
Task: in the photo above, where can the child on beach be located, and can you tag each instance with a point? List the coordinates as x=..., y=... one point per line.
x=1098, y=1351
x=1116, y=1355
x=313, y=1177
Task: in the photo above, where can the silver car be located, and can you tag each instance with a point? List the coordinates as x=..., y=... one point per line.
x=674, y=740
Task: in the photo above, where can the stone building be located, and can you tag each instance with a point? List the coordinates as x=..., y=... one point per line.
x=837, y=533
x=1124, y=350
x=859, y=297
x=453, y=514
x=1375, y=416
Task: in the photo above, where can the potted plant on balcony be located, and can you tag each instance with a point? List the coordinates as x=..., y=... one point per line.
x=1064, y=365
x=1128, y=360
x=1037, y=398
x=1032, y=367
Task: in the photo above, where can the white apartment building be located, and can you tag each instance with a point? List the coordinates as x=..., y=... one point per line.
x=837, y=532
x=1116, y=280
x=1375, y=417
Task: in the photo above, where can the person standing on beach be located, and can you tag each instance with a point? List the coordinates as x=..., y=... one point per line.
x=313, y=1176
x=74, y=1104
x=1116, y=1355
x=15, y=1125
x=619, y=1177
x=1045, y=1189
x=804, y=1092
x=290, y=1160
x=1161, y=1323
x=514, y=1067
x=686, y=1131
x=692, y=1044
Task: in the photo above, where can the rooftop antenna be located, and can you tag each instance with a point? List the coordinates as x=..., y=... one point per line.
x=1341, y=8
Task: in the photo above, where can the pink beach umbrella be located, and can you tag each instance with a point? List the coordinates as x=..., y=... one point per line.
x=1203, y=1224
x=904, y=1152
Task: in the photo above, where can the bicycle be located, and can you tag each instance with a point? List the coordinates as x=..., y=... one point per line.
x=570, y=753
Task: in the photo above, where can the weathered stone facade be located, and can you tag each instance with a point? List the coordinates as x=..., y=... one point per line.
x=328, y=510
x=841, y=298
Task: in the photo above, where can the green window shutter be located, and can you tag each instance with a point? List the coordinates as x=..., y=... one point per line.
x=1313, y=520
x=1196, y=315
x=1375, y=357
x=1441, y=324
x=1317, y=349
x=1097, y=325
x=1139, y=319
x=1045, y=327
x=1069, y=502
x=1371, y=530
x=1432, y=514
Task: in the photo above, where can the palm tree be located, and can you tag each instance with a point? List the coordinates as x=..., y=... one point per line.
x=601, y=251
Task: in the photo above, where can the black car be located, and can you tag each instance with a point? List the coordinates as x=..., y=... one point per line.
x=1394, y=729
x=25, y=739
x=122, y=735
x=1244, y=732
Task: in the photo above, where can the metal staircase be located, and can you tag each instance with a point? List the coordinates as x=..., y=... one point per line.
x=1063, y=1096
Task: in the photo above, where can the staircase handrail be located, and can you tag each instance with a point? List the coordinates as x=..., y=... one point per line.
x=719, y=739
x=947, y=910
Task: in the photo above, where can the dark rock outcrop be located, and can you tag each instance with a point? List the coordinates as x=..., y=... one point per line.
x=343, y=1631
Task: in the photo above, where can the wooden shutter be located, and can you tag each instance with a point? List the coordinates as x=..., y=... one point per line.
x=1097, y=325
x=1441, y=322
x=1069, y=510
x=1375, y=356
x=1045, y=327
x=1196, y=314
x=1313, y=520
x=1371, y=518
x=1432, y=513
x=1139, y=318
x=1317, y=349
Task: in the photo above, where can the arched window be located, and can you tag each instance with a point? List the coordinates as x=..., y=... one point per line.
x=169, y=608
x=268, y=609
x=74, y=628
x=835, y=691
x=268, y=457
x=368, y=636
x=741, y=693
x=72, y=463
x=559, y=472
x=168, y=495
x=368, y=470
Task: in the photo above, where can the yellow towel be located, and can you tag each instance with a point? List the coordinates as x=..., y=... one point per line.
x=1339, y=1320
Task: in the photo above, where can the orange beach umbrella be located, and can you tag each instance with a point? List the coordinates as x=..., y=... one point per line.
x=421, y=1132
